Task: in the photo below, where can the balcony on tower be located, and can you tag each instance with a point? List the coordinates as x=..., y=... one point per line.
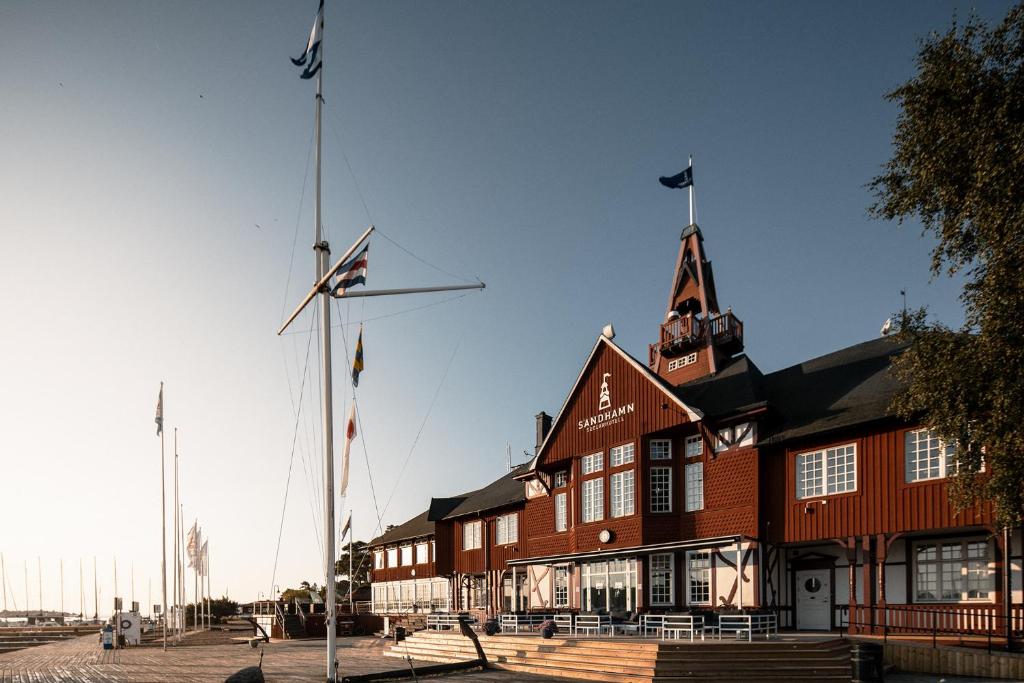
x=682, y=334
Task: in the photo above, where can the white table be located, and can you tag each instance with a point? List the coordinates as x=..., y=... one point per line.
x=675, y=625
x=749, y=624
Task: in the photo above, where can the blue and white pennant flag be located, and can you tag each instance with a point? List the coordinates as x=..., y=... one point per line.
x=352, y=272
x=312, y=57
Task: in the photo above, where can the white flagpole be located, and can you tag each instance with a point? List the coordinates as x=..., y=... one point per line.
x=62, y=590
x=323, y=254
x=351, y=579
x=163, y=516
x=95, y=592
x=693, y=212
x=181, y=569
x=407, y=290
x=177, y=626
x=81, y=590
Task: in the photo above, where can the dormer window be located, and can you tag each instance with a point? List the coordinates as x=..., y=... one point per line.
x=742, y=434
x=561, y=479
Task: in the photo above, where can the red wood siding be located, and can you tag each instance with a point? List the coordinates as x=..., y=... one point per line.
x=473, y=561
x=882, y=503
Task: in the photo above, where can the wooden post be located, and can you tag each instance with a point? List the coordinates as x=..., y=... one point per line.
x=869, y=592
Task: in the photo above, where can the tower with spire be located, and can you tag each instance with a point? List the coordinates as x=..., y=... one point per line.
x=696, y=338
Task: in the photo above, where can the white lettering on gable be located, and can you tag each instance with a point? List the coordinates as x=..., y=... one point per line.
x=606, y=419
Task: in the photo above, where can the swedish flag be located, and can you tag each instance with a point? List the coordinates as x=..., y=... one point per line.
x=357, y=364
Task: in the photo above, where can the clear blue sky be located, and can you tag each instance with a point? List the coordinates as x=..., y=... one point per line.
x=152, y=181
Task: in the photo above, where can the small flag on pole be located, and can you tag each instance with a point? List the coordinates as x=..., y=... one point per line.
x=192, y=544
x=682, y=179
x=351, y=273
x=204, y=567
x=350, y=434
x=311, y=57
x=160, y=411
x=347, y=526
x=357, y=364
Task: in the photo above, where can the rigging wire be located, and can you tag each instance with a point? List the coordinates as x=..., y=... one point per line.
x=291, y=459
x=422, y=260
x=298, y=220
x=389, y=315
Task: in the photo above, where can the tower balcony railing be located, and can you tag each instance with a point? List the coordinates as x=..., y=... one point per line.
x=684, y=334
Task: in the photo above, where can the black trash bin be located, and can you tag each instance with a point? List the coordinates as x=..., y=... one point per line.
x=399, y=633
x=866, y=662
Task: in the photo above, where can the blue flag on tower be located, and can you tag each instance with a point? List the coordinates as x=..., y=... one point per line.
x=679, y=180
x=352, y=272
x=311, y=58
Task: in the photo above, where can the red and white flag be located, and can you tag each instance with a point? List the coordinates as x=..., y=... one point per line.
x=350, y=434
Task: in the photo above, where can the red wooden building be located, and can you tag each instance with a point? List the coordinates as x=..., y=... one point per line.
x=696, y=481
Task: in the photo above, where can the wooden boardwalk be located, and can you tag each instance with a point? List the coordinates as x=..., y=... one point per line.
x=82, y=660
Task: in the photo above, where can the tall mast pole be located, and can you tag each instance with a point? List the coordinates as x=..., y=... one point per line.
x=322, y=265
x=181, y=567
x=81, y=590
x=95, y=592
x=3, y=582
x=39, y=567
x=62, y=588
x=176, y=625
x=26, y=588
x=163, y=522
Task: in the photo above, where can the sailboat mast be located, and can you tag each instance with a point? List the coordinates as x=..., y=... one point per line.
x=3, y=582
x=81, y=590
x=62, y=588
x=175, y=580
x=322, y=264
x=39, y=567
x=95, y=592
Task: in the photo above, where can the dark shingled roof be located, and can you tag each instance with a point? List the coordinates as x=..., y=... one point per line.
x=416, y=527
x=504, y=491
x=841, y=389
x=737, y=386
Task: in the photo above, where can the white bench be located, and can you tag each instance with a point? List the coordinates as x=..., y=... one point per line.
x=563, y=622
x=675, y=625
x=593, y=623
x=528, y=622
x=748, y=623
x=651, y=623
x=446, y=621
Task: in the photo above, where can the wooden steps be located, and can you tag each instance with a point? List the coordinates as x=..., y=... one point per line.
x=640, y=660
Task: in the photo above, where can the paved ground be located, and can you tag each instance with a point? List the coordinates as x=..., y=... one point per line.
x=933, y=678
x=83, y=661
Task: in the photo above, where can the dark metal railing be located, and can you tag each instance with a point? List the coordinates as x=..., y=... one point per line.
x=972, y=622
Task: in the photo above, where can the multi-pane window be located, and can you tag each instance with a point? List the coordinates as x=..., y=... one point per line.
x=561, y=478
x=392, y=557
x=833, y=470
x=698, y=577
x=621, y=455
x=422, y=553
x=406, y=555
x=593, y=500
x=561, y=516
x=953, y=572
x=471, y=535
x=927, y=456
x=660, y=449
x=735, y=435
x=378, y=559
x=662, y=579
x=694, y=446
x=661, y=489
x=506, y=529
x=695, y=486
x=622, y=494
x=561, y=587
x=592, y=463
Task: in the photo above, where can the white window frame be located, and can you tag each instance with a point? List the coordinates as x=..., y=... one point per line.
x=959, y=568
x=592, y=463
x=698, y=555
x=923, y=453
x=392, y=557
x=561, y=512
x=826, y=472
x=422, y=553
x=561, y=478
x=623, y=493
x=622, y=454
x=662, y=566
x=506, y=529
x=660, y=449
x=405, y=555
x=661, y=491
x=593, y=500
x=378, y=559
x=682, y=361
x=694, y=486
x=694, y=446
x=471, y=535
x=560, y=587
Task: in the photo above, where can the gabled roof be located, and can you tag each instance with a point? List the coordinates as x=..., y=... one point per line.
x=841, y=389
x=651, y=376
x=505, y=491
x=416, y=527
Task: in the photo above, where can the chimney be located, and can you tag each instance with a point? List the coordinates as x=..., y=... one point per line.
x=543, y=427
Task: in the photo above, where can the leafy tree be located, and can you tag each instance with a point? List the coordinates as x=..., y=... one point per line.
x=221, y=608
x=302, y=592
x=360, y=567
x=958, y=168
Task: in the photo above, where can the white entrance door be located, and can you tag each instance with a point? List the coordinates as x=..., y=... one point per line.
x=813, y=599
